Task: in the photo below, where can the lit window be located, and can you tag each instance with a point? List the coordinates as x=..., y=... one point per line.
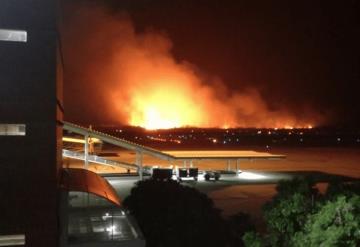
x=12, y=129
x=7, y=240
x=13, y=35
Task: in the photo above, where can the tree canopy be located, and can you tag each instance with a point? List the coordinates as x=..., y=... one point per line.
x=299, y=216
x=171, y=214
x=286, y=213
x=337, y=223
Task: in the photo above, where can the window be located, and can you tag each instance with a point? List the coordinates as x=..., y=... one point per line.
x=12, y=129
x=10, y=240
x=13, y=35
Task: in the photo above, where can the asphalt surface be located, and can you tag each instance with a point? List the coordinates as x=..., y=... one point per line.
x=123, y=183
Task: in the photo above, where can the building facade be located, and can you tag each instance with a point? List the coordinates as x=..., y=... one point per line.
x=31, y=112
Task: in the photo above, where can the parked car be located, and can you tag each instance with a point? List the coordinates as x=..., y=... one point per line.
x=187, y=173
x=212, y=175
x=162, y=173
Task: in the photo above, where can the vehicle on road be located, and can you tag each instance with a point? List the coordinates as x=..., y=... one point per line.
x=212, y=175
x=187, y=173
x=162, y=173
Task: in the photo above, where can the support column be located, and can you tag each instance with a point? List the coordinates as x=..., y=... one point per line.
x=229, y=165
x=172, y=164
x=86, y=151
x=184, y=163
x=191, y=163
x=64, y=217
x=237, y=165
x=139, y=163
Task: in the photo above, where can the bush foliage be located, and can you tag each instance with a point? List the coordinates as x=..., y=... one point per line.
x=299, y=216
x=171, y=214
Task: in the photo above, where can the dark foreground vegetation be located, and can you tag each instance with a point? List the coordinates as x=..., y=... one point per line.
x=298, y=215
x=171, y=214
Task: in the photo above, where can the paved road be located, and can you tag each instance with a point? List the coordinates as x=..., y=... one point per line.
x=123, y=184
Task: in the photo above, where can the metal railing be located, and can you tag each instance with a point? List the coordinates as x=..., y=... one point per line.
x=98, y=160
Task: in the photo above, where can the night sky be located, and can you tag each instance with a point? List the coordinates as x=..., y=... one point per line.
x=294, y=54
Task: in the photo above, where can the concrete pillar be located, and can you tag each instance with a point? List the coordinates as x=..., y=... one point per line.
x=64, y=217
x=139, y=163
x=184, y=163
x=191, y=163
x=237, y=165
x=86, y=151
x=229, y=165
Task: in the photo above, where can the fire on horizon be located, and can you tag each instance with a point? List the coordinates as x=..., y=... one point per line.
x=159, y=109
x=234, y=71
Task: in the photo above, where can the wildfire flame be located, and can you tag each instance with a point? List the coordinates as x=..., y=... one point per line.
x=162, y=109
x=161, y=93
x=142, y=84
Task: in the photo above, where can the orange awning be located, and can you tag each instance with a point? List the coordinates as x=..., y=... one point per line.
x=73, y=179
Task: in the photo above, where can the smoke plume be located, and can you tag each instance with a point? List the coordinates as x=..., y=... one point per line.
x=114, y=73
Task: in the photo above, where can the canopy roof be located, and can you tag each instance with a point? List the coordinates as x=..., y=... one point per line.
x=172, y=155
x=73, y=179
x=221, y=154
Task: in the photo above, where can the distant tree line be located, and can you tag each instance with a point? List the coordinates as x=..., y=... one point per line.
x=171, y=214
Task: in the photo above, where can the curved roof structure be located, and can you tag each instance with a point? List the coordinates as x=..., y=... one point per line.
x=87, y=181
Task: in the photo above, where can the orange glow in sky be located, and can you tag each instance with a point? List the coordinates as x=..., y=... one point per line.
x=136, y=80
x=153, y=90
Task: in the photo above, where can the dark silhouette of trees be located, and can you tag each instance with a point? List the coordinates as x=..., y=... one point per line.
x=286, y=213
x=238, y=224
x=338, y=187
x=299, y=216
x=170, y=214
x=336, y=223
